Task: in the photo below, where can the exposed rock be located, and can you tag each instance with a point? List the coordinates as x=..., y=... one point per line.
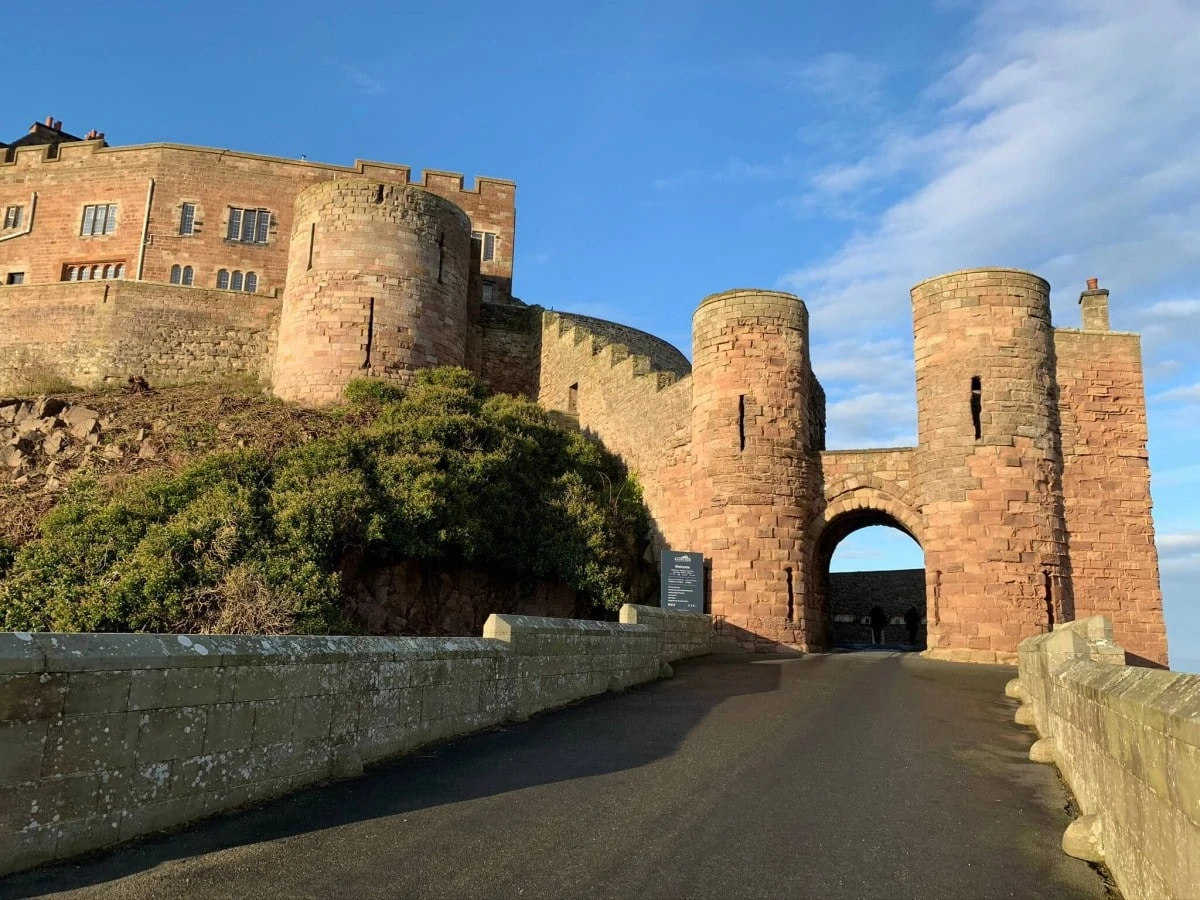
x=1083, y=839
x=12, y=457
x=54, y=443
x=77, y=415
x=84, y=428
x=147, y=451
x=48, y=406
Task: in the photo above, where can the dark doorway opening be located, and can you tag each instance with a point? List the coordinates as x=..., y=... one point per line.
x=872, y=584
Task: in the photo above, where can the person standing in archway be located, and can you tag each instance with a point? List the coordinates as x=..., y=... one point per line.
x=878, y=623
x=912, y=621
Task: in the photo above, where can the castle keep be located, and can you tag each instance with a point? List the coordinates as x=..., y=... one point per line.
x=1028, y=491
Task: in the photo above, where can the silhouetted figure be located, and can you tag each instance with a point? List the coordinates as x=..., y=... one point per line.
x=912, y=621
x=879, y=621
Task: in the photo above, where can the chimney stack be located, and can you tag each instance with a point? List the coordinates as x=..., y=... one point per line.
x=1094, y=304
x=49, y=121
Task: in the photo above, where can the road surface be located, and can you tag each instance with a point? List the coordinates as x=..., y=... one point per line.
x=834, y=776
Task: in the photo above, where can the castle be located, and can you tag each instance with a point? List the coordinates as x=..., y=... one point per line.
x=1028, y=491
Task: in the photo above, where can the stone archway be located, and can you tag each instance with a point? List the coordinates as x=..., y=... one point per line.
x=848, y=508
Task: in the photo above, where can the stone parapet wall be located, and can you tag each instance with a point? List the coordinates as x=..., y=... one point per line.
x=1127, y=741
x=104, y=737
x=87, y=333
x=662, y=356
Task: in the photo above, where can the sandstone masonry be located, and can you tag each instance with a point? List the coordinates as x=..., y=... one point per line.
x=1028, y=490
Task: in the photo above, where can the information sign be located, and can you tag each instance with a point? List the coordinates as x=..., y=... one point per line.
x=682, y=581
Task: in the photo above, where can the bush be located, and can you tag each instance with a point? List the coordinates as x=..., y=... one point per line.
x=239, y=541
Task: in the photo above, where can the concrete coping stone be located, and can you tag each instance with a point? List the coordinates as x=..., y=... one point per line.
x=1168, y=702
x=501, y=626
x=53, y=652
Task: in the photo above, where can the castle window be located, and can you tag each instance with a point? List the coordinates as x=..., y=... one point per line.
x=187, y=275
x=108, y=272
x=93, y=271
x=489, y=292
x=235, y=283
x=187, y=219
x=248, y=226
x=977, y=406
x=251, y=282
x=99, y=218
x=487, y=245
x=120, y=273
x=223, y=280
x=13, y=216
x=85, y=273
x=70, y=273
x=176, y=274
x=16, y=278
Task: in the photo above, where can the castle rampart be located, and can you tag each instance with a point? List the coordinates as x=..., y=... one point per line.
x=1028, y=490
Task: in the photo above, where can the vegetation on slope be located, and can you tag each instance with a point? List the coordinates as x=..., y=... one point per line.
x=246, y=540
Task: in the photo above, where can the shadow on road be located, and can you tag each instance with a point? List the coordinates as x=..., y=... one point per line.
x=598, y=736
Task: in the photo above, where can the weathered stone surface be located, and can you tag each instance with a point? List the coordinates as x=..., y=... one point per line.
x=146, y=731
x=1082, y=839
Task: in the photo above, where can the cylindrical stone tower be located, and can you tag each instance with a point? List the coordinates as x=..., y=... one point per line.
x=377, y=284
x=989, y=462
x=751, y=475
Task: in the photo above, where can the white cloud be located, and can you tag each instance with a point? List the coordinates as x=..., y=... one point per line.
x=1066, y=139
x=1179, y=552
x=874, y=419
x=1185, y=392
x=365, y=83
x=842, y=78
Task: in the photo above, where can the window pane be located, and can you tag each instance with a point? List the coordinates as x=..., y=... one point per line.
x=251, y=282
x=187, y=220
x=96, y=272
x=488, y=292
x=175, y=273
x=111, y=224
x=84, y=273
x=223, y=280
x=248, y=219
x=17, y=218
x=108, y=272
x=264, y=222
x=120, y=270
x=236, y=284
x=489, y=247
x=235, y=223
x=69, y=274
x=187, y=275
x=89, y=219
x=477, y=235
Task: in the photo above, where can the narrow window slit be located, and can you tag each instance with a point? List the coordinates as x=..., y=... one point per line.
x=1048, y=594
x=379, y=194
x=441, y=255
x=573, y=398
x=791, y=607
x=977, y=406
x=370, y=332
x=741, y=421
x=312, y=239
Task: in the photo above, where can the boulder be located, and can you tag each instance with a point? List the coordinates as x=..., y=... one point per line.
x=54, y=443
x=12, y=457
x=48, y=406
x=83, y=428
x=77, y=415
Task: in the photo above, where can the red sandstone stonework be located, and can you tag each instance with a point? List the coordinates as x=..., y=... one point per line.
x=1028, y=490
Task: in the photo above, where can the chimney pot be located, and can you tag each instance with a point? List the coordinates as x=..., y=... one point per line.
x=49, y=121
x=58, y=124
x=1093, y=283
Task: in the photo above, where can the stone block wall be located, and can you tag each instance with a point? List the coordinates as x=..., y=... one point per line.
x=90, y=332
x=213, y=181
x=1106, y=487
x=1127, y=741
x=852, y=595
x=104, y=737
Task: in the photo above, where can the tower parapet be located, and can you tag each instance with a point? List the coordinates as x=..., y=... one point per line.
x=377, y=284
x=989, y=461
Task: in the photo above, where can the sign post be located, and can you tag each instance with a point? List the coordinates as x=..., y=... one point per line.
x=682, y=581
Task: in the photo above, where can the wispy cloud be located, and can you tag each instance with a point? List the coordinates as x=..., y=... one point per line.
x=365, y=83
x=874, y=419
x=1179, y=551
x=1185, y=392
x=842, y=78
x=1066, y=139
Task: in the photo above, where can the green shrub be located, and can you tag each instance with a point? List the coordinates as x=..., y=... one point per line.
x=239, y=541
x=372, y=392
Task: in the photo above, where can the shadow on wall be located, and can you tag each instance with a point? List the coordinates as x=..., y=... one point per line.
x=595, y=737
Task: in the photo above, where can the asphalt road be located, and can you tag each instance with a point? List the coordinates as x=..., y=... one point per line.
x=842, y=776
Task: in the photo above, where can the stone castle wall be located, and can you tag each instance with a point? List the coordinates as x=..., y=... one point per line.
x=97, y=332
x=852, y=595
x=107, y=737
x=150, y=183
x=1106, y=486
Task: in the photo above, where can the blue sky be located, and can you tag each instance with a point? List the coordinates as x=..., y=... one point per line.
x=664, y=151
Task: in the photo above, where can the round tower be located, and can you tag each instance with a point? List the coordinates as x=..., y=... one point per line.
x=377, y=284
x=751, y=476
x=989, y=461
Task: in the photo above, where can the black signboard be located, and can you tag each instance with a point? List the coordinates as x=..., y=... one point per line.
x=682, y=581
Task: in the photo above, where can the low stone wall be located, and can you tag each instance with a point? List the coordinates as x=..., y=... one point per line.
x=1127, y=741
x=104, y=737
